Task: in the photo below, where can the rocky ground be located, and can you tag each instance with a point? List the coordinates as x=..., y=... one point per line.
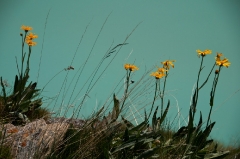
x=37, y=136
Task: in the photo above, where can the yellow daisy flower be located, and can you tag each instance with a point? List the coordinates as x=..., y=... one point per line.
x=130, y=67
x=223, y=62
x=31, y=36
x=31, y=43
x=127, y=66
x=157, y=75
x=203, y=53
x=168, y=63
x=161, y=70
x=26, y=28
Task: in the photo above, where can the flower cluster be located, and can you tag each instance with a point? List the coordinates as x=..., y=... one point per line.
x=30, y=37
x=26, y=28
x=168, y=63
x=157, y=74
x=223, y=62
x=161, y=71
x=130, y=67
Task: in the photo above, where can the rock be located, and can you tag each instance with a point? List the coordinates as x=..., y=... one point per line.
x=34, y=138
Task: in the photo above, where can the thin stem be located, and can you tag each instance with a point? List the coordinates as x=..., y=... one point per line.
x=28, y=60
x=51, y=80
x=126, y=90
x=212, y=94
x=207, y=77
x=88, y=91
x=17, y=66
x=196, y=98
x=155, y=95
x=23, y=39
x=163, y=92
x=42, y=44
x=209, y=115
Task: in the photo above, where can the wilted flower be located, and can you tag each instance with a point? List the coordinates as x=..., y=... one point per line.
x=168, y=63
x=26, y=28
x=203, y=53
x=157, y=75
x=130, y=67
x=216, y=71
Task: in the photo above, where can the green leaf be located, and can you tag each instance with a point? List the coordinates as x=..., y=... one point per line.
x=165, y=113
x=4, y=92
x=123, y=146
x=201, y=139
x=132, y=142
x=149, y=153
x=126, y=135
x=22, y=83
x=35, y=104
x=181, y=132
x=199, y=123
x=15, y=90
x=128, y=123
x=116, y=110
x=140, y=127
x=190, y=127
x=19, y=88
x=194, y=102
x=217, y=155
x=154, y=120
x=145, y=113
x=24, y=106
x=28, y=92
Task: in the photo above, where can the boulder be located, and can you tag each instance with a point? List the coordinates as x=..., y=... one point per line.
x=34, y=138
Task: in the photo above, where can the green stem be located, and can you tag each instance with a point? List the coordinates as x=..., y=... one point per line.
x=207, y=77
x=27, y=67
x=126, y=90
x=163, y=93
x=155, y=95
x=196, y=98
x=212, y=94
x=209, y=115
x=23, y=39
